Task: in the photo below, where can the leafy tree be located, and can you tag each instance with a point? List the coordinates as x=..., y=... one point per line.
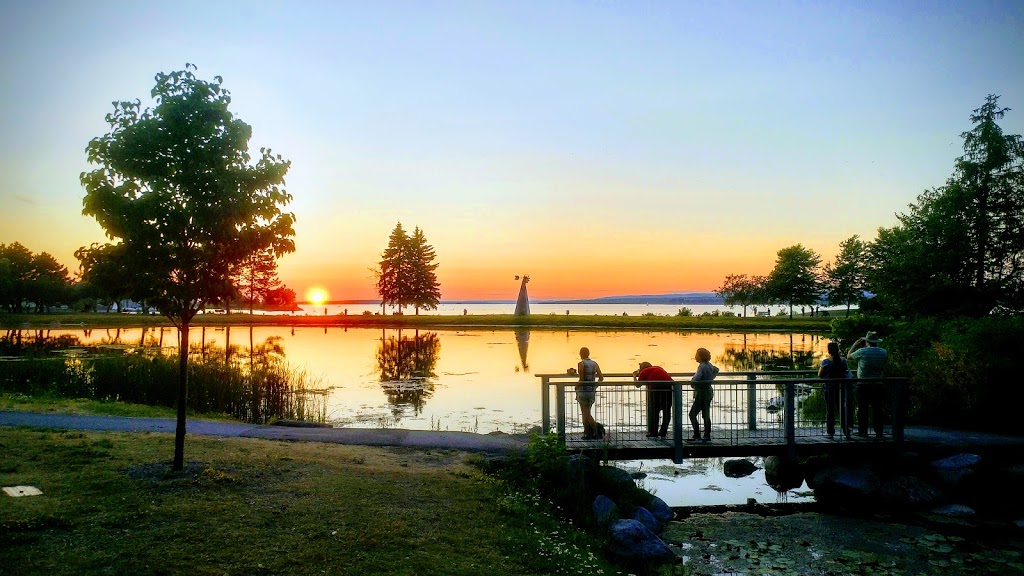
x=50, y=284
x=739, y=290
x=256, y=277
x=960, y=248
x=106, y=272
x=176, y=189
x=426, y=291
x=16, y=272
x=846, y=277
x=794, y=280
x=281, y=297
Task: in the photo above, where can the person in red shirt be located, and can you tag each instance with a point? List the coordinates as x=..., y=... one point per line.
x=659, y=397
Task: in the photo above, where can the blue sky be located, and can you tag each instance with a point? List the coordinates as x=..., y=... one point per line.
x=670, y=143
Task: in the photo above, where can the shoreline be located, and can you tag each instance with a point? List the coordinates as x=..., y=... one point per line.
x=783, y=324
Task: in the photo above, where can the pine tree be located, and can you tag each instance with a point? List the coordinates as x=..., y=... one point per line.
x=394, y=273
x=256, y=277
x=426, y=291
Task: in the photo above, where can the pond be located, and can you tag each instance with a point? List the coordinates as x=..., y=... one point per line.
x=482, y=380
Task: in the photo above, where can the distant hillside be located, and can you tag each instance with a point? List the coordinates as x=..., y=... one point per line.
x=707, y=298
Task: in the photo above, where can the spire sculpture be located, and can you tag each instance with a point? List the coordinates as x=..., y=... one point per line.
x=523, y=304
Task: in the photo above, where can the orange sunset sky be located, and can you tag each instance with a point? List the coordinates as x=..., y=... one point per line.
x=602, y=148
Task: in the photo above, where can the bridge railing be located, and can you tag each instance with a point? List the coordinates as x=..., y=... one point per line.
x=777, y=407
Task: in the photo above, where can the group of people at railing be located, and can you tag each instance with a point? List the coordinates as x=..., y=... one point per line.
x=870, y=360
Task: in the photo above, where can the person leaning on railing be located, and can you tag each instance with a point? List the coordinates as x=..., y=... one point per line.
x=870, y=359
x=586, y=394
x=659, y=397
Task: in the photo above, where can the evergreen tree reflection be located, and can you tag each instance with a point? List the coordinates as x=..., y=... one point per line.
x=406, y=366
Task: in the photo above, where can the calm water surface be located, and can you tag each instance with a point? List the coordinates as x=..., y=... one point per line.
x=483, y=380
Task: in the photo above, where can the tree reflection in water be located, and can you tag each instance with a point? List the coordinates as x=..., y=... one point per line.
x=406, y=366
x=744, y=359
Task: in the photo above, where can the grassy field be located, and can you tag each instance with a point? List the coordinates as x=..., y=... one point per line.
x=774, y=324
x=111, y=505
x=45, y=404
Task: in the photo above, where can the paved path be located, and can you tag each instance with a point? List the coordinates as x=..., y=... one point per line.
x=489, y=443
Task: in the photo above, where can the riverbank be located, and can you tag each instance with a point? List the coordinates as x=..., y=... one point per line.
x=782, y=324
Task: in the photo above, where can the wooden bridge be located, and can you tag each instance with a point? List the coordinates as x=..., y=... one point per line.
x=752, y=414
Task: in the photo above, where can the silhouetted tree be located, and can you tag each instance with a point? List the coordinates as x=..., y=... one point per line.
x=794, y=280
x=175, y=187
x=256, y=276
x=394, y=274
x=845, y=278
x=426, y=291
x=739, y=290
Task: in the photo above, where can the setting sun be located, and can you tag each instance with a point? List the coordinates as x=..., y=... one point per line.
x=317, y=295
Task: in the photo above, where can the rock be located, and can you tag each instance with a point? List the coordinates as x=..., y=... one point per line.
x=644, y=516
x=954, y=511
x=955, y=469
x=581, y=470
x=662, y=511
x=615, y=481
x=605, y=510
x=907, y=492
x=1019, y=524
x=633, y=543
x=815, y=464
x=845, y=487
x=782, y=474
x=738, y=468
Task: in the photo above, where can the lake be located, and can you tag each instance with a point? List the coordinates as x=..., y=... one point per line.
x=482, y=380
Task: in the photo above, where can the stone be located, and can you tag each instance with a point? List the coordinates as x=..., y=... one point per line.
x=662, y=511
x=615, y=481
x=782, y=474
x=954, y=470
x=954, y=511
x=633, y=543
x=581, y=470
x=644, y=516
x=815, y=464
x=908, y=492
x=843, y=486
x=605, y=510
x=738, y=468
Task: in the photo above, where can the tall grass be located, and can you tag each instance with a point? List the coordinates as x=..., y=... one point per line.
x=254, y=389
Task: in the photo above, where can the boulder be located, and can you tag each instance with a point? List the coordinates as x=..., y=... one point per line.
x=605, y=510
x=815, y=464
x=644, y=516
x=907, y=492
x=954, y=511
x=662, y=511
x=844, y=486
x=615, y=481
x=738, y=468
x=954, y=470
x=782, y=474
x=581, y=470
x=633, y=543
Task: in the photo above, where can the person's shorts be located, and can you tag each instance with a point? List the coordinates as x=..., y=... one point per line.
x=586, y=396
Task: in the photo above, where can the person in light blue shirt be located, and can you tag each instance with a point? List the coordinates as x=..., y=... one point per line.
x=870, y=359
x=702, y=394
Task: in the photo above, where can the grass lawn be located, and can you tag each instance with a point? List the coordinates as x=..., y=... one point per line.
x=775, y=323
x=44, y=404
x=111, y=505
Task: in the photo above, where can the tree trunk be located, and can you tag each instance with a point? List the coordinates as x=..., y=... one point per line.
x=179, y=431
x=790, y=310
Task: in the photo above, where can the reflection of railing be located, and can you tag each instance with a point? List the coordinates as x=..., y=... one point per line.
x=749, y=409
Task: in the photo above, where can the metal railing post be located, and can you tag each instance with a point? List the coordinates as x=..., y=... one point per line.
x=791, y=419
x=560, y=410
x=545, y=409
x=751, y=402
x=677, y=421
x=898, y=404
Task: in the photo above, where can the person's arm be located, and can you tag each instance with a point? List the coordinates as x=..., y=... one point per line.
x=821, y=371
x=597, y=368
x=856, y=346
x=580, y=370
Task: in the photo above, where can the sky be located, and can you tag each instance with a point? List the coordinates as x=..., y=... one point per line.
x=602, y=147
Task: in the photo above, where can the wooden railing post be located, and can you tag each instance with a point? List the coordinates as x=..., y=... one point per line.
x=751, y=402
x=560, y=410
x=790, y=400
x=677, y=421
x=545, y=409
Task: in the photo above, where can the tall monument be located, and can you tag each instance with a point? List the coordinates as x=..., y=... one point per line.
x=523, y=303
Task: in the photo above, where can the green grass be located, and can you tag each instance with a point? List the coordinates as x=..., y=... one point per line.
x=24, y=403
x=774, y=323
x=111, y=505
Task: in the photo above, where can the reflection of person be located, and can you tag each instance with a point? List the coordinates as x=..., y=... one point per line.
x=659, y=397
x=870, y=361
x=836, y=391
x=586, y=393
x=706, y=372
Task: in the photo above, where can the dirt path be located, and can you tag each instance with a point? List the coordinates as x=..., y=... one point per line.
x=819, y=543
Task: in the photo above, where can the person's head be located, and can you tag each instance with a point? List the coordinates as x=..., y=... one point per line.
x=703, y=355
x=584, y=352
x=871, y=338
x=833, y=349
x=645, y=365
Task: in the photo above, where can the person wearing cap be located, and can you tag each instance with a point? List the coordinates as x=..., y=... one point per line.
x=659, y=397
x=870, y=359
